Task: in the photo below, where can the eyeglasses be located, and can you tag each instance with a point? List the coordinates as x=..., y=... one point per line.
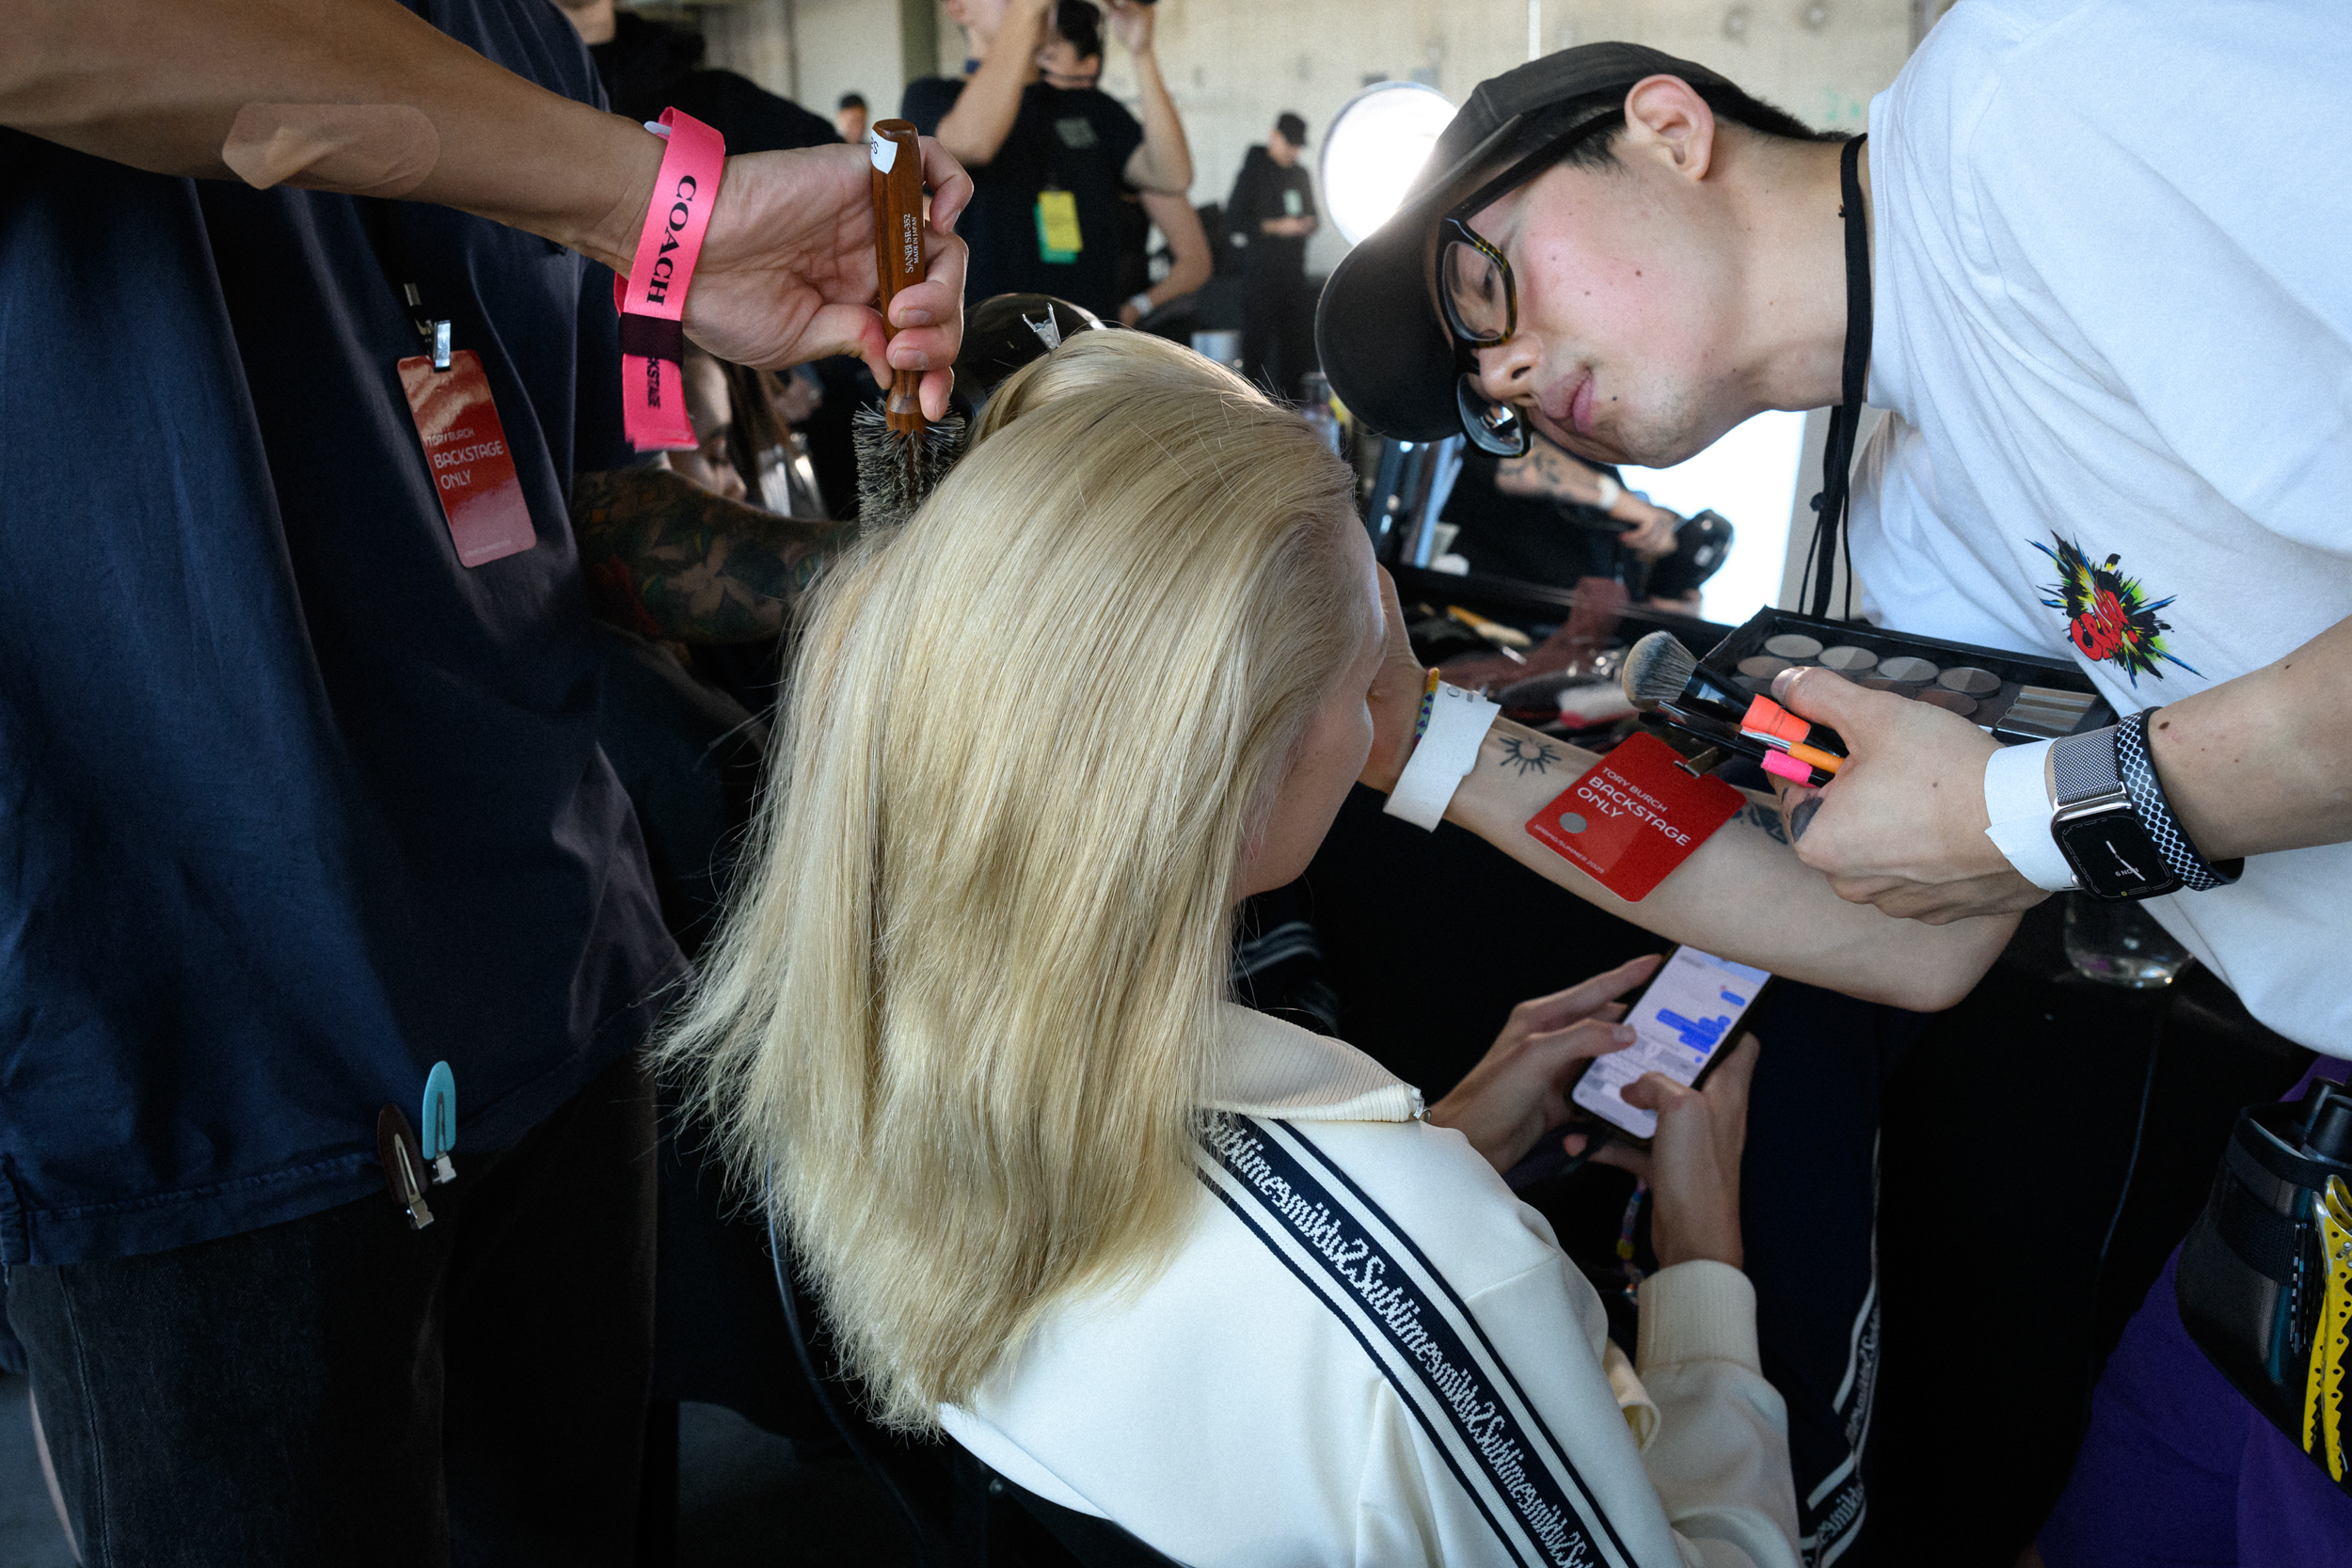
x=1475, y=285
x=1477, y=294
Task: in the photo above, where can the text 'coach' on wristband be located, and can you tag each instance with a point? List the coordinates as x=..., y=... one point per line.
x=652, y=298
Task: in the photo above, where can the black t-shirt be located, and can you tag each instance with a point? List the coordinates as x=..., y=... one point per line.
x=1264, y=190
x=1074, y=140
x=1531, y=538
x=296, y=805
x=647, y=67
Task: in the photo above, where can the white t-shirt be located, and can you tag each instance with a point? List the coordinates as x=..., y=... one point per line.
x=2113, y=332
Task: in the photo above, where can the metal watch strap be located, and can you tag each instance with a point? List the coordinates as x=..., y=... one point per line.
x=2082, y=766
x=2138, y=770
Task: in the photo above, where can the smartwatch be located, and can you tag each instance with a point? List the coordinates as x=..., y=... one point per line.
x=2097, y=828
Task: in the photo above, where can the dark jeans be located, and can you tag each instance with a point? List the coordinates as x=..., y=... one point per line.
x=342, y=1389
x=1808, y=1206
x=1278, y=339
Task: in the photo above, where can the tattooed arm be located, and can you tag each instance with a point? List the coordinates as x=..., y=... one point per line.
x=1743, y=893
x=671, y=560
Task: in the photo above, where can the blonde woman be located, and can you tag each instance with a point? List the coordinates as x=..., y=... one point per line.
x=1149, y=1255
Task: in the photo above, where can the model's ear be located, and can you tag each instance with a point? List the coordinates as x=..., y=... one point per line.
x=1665, y=118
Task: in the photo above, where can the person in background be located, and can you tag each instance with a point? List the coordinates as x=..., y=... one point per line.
x=648, y=66
x=1048, y=152
x=1553, y=518
x=1190, y=261
x=849, y=116
x=1270, y=216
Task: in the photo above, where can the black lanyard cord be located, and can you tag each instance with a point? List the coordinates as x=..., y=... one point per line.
x=390, y=244
x=1829, y=530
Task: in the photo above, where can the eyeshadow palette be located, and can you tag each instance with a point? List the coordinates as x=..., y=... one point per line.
x=2018, y=697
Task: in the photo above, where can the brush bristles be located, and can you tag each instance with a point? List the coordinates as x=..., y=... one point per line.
x=896, y=473
x=1656, y=670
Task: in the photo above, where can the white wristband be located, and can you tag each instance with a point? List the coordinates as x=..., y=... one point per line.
x=2017, y=810
x=1611, y=492
x=1458, y=723
x=1142, y=303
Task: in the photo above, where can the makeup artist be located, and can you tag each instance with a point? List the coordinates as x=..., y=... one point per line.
x=306, y=828
x=2115, y=343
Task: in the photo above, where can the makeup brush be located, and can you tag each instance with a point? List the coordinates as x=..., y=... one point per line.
x=1658, y=669
x=901, y=455
x=1660, y=675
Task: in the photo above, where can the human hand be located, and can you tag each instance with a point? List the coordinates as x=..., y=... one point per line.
x=1128, y=314
x=1652, y=535
x=1131, y=24
x=1520, y=1087
x=1692, y=1165
x=1395, y=696
x=1902, y=824
x=786, y=273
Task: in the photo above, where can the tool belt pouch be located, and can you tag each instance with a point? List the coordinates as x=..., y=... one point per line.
x=2259, y=1289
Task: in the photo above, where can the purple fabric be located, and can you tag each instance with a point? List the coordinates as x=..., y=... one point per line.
x=2177, y=1468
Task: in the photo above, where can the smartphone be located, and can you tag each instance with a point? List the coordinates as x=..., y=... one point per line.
x=1683, y=1019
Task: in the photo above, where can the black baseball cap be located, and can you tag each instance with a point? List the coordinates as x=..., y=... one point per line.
x=1293, y=128
x=1384, y=348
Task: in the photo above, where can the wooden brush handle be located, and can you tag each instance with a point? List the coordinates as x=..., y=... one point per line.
x=898, y=258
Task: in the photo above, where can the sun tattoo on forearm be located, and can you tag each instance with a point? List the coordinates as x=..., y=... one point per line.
x=1528, y=757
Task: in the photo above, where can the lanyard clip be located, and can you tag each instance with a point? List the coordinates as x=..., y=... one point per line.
x=435, y=332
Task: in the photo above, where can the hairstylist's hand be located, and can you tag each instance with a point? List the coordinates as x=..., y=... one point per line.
x=1520, y=1086
x=1692, y=1165
x=1395, y=697
x=786, y=273
x=1902, y=824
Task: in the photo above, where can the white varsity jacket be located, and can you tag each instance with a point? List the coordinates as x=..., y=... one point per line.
x=1367, y=1352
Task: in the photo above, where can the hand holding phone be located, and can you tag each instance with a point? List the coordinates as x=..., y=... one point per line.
x=1692, y=1163
x=1687, y=1016
x=1518, y=1089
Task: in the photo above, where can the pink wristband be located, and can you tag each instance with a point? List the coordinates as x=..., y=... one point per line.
x=652, y=298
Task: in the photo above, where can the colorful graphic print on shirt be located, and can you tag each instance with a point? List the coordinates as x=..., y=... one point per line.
x=2108, y=615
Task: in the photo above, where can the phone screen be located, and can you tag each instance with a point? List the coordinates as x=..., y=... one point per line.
x=1690, y=1009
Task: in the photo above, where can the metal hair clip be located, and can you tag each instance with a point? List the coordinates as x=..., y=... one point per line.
x=1048, y=331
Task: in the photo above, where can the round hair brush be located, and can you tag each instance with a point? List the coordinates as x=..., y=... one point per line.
x=901, y=455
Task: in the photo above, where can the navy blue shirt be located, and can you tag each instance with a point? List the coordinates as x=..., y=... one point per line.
x=292, y=805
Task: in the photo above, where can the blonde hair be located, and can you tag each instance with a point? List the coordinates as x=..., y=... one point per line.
x=957, y=1026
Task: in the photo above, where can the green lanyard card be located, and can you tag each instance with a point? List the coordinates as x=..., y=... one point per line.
x=1058, y=236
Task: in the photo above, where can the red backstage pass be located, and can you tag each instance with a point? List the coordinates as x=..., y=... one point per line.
x=465, y=449
x=1635, y=816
